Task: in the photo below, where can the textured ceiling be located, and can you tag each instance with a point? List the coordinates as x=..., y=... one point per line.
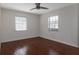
x=27, y=6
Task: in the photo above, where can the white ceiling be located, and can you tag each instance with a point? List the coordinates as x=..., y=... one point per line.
x=27, y=6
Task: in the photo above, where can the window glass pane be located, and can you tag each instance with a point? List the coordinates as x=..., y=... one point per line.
x=56, y=26
x=51, y=25
x=20, y=23
x=54, y=19
x=53, y=22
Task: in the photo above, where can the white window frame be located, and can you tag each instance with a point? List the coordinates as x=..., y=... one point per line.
x=53, y=24
x=20, y=21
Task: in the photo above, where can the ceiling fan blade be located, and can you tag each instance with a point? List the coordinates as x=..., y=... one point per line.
x=32, y=9
x=43, y=8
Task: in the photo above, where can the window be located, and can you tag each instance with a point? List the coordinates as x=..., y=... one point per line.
x=53, y=23
x=20, y=23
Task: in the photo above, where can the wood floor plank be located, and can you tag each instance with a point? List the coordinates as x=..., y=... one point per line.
x=38, y=46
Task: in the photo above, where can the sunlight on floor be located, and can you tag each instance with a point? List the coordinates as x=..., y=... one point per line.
x=21, y=51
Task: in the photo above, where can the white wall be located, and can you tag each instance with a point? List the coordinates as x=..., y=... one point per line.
x=0, y=29
x=0, y=26
x=67, y=32
x=8, y=25
x=78, y=24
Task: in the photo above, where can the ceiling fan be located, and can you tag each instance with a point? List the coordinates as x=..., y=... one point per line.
x=38, y=7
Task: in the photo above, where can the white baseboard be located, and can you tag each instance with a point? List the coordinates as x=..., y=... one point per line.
x=60, y=41
x=45, y=38
x=17, y=39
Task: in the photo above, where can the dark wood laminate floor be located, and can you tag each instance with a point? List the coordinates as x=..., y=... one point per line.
x=38, y=46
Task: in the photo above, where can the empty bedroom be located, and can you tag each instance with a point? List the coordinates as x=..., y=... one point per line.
x=39, y=28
